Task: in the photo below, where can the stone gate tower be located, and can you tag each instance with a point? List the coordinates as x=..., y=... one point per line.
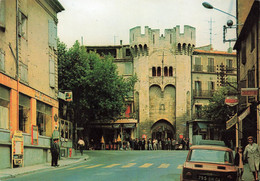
x=163, y=91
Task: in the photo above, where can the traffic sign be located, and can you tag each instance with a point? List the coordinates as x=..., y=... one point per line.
x=231, y=100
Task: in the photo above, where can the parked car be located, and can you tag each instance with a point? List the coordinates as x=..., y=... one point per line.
x=209, y=163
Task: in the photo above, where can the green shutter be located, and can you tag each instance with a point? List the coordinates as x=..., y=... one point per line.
x=52, y=73
x=4, y=93
x=2, y=14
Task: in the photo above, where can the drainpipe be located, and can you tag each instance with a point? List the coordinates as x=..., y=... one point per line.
x=17, y=59
x=257, y=76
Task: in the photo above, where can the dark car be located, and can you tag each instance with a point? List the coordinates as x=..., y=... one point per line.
x=209, y=163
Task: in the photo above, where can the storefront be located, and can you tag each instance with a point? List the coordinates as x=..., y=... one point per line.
x=125, y=129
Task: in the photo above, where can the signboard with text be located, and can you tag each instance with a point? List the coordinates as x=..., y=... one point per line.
x=249, y=91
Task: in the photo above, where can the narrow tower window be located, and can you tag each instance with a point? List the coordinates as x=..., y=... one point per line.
x=170, y=72
x=158, y=71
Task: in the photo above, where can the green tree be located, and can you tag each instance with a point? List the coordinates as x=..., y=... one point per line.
x=217, y=111
x=99, y=93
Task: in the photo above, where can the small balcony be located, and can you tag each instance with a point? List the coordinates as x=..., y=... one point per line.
x=198, y=68
x=231, y=70
x=211, y=69
x=203, y=93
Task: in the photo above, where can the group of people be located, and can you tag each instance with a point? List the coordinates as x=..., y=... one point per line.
x=150, y=144
x=251, y=155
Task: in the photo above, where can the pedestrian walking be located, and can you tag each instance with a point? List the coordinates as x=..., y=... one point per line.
x=239, y=162
x=251, y=153
x=155, y=142
x=173, y=144
x=150, y=147
x=187, y=143
x=55, y=152
x=183, y=142
x=81, y=144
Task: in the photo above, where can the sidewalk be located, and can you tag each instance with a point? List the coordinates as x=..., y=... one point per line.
x=247, y=176
x=10, y=173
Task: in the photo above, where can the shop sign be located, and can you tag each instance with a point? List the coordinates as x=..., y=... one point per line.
x=244, y=114
x=231, y=122
x=17, y=148
x=249, y=91
x=231, y=100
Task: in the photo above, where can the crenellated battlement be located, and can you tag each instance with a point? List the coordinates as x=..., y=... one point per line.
x=180, y=43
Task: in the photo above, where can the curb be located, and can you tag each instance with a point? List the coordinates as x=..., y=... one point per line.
x=42, y=167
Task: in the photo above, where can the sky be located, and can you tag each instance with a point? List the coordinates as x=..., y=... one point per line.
x=106, y=22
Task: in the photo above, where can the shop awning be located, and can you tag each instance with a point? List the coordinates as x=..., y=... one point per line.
x=125, y=121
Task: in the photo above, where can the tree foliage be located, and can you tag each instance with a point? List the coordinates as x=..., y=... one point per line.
x=99, y=93
x=217, y=111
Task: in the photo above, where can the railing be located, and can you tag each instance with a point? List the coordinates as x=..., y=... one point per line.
x=203, y=93
x=211, y=68
x=231, y=70
x=198, y=68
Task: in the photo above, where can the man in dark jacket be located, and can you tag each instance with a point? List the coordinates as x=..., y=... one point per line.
x=55, y=151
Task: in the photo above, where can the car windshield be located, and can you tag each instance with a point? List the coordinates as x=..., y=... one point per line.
x=211, y=156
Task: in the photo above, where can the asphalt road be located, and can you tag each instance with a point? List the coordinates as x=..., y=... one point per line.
x=117, y=166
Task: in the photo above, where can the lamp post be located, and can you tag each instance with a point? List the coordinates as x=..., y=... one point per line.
x=209, y=6
x=229, y=25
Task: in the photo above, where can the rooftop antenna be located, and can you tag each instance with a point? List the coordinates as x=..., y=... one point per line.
x=81, y=40
x=115, y=39
x=210, y=30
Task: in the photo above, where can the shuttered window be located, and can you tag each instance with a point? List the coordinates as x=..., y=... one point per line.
x=2, y=15
x=52, y=73
x=4, y=107
x=24, y=72
x=52, y=30
x=128, y=68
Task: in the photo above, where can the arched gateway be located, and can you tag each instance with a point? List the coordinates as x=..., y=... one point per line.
x=162, y=129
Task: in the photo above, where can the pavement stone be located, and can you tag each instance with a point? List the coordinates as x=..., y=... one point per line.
x=13, y=172
x=247, y=175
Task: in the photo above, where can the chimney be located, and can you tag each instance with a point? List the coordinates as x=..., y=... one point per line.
x=121, y=42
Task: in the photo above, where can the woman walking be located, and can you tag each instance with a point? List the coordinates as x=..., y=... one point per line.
x=251, y=153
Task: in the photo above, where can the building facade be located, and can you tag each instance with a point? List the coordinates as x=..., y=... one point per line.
x=126, y=125
x=206, y=64
x=247, y=46
x=28, y=77
x=162, y=64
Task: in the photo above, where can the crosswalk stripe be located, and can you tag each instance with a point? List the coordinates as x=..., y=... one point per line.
x=180, y=167
x=77, y=167
x=164, y=165
x=94, y=166
x=110, y=166
x=128, y=165
x=146, y=165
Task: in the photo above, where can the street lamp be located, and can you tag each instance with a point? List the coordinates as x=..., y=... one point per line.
x=229, y=22
x=209, y=6
x=229, y=25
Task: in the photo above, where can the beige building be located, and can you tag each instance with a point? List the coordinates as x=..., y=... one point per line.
x=28, y=77
x=206, y=64
x=174, y=80
x=163, y=91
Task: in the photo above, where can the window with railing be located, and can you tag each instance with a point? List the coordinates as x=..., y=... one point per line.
x=229, y=66
x=211, y=67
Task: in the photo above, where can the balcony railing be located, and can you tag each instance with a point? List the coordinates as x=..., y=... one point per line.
x=198, y=68
x=203, y=93
x=211, y=69
x=231, y=70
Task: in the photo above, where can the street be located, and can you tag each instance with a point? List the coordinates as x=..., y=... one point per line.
x=119, y=165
